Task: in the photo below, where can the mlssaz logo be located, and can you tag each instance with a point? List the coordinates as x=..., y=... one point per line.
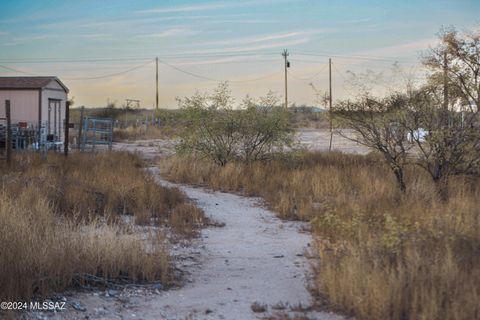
x=47, y=305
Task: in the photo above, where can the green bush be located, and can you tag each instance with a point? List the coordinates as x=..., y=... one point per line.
x=217, y=131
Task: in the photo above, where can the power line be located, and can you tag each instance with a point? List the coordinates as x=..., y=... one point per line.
x=82, y=78
x=137, y=59
x=353, y=66
x=256, y=79
x=188, y=72
x=196, y=75
x=309, y=78
x=16, y=70
x=112, y=74
x=345, y=80
x=205, y=55
x=216, y=55
x=144, y=64
x=48, y=60
x=307, y=60
x=105, y=59
x=359, y=57
x=205, y=62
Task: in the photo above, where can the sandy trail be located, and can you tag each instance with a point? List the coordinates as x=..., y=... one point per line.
x=255, y=257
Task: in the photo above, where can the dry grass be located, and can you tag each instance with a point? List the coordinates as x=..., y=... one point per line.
x=63, y=219
x=186, y=219
x=383, y=255
x=88, y=186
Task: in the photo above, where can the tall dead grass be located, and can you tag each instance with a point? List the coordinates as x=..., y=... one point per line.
x=63, y=222
x=383, y=255
x=87, y=186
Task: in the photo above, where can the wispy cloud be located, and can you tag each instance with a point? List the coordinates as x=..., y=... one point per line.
x=355, y=21
x=239, y=59
x=252, y=48
x=262, y=38
x=37, y=37
x=271, y=45
x=274, y=37
x=207, y=6
x=136, y=21
x=129, y=22
x=187, y=8
x=22, y=40
x=173, y=32
x=402, y=49
x=244, y=21
x=96, y=36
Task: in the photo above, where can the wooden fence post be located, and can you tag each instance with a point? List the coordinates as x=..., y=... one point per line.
x=80, y=128
x=8, y=136
x=67, y=128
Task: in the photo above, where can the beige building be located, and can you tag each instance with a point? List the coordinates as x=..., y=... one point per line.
x=35, y=101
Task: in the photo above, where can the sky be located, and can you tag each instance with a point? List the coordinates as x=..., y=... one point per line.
x=105, y=50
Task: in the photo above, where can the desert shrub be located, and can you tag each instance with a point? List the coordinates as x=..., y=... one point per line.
x=41, y=254
x=63, y=222
x=88, y=186
x=384, y=254
x=217, y=131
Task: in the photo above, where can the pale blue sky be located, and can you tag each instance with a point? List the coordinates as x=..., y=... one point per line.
x=222, y=40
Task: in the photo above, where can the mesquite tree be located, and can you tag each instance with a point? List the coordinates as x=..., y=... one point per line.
x=447, y=109
x=218, y=131
x=374, y=122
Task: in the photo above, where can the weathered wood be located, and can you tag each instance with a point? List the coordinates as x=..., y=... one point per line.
x=67, y=128
x=8, y=136
x=80, y=128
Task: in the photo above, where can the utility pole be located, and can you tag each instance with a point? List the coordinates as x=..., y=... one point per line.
x=445, y=81
x=330, y=101
x=156, y=77
x=285, y=54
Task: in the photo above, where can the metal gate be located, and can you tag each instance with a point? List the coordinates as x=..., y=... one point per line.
x=95, y=132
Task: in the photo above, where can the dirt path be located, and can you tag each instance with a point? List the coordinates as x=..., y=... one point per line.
x=254, y=257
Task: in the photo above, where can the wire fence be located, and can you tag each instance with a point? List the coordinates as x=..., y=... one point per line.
x=28, y=136
x=24, y=134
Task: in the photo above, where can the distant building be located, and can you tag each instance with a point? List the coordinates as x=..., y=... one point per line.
x=37, y=102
